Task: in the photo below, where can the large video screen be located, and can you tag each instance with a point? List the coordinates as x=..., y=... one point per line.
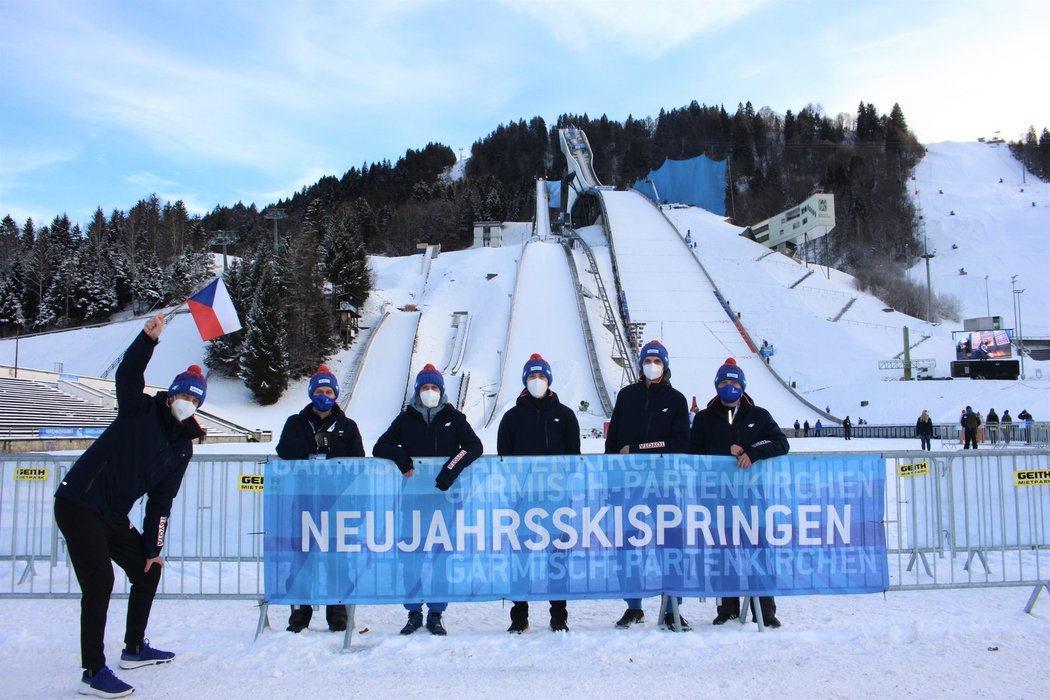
x=983, y=345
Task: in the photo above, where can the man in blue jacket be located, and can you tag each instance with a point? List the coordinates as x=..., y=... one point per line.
x=320, y=431
x=649, y=416
x=144, y=451
x=538, y=424
x=732, y=424
x=429, y=427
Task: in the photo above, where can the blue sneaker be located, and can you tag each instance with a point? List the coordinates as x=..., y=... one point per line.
x=146, y=656
x=104, y=685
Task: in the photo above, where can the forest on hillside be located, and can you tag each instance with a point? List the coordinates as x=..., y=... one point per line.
x=313, y=258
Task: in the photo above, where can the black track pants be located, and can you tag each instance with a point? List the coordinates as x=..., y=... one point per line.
x=92, y=543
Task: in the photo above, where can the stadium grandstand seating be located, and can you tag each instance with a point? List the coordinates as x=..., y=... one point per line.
x=31, y=409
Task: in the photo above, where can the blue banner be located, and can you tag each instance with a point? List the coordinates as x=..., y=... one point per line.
x=588, y=526
x=69, y=432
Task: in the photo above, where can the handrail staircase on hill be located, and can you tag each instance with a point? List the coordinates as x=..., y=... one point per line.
x=588, y=338
x=623, y=356
x=353, y=373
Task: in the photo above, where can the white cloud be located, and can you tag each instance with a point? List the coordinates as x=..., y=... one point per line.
x=646, y=29
x=17, y=161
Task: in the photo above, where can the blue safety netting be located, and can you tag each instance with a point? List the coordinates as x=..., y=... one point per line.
x=698, y=181
x=554, y=194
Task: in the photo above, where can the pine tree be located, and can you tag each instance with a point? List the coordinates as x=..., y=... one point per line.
x=94, y=285
x=190, y=272
x=345, y=261
x=223, y=354
x=308, y=314
x=12, y=314
x=148, y=283
x=264, y=363
x=10, y=247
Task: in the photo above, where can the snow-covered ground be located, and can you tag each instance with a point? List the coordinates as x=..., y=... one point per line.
x=945, y=644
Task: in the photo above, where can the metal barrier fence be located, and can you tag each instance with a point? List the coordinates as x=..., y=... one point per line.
x=213, y=547
x=953, y=520
x=944, y=434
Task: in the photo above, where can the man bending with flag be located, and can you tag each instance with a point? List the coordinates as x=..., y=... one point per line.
x=144, y=451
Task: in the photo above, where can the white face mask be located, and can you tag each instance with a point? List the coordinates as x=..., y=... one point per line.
x=537, y=388
x=653, y=371
x=429, y=398
x=182, y=409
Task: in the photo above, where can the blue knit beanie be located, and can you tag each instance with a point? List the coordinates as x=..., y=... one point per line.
x=654, y=349
x=730, y=370
x=323, y=377
x=536, y=363
x=190, y=382
x=429, y=375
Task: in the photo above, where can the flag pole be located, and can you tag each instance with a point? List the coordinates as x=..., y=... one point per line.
x=168, y=315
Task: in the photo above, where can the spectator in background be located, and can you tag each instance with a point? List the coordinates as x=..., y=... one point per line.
x=320, y=431
x=1006, y=423
x=797, y=427
x=429, y=427
x=817, y=428
x=539, y=424
x=847, y=429
x=733, y=425
x=1026, y=425
x=992, y=421
x=970, y=423
x=805, y=428
x=924, y=430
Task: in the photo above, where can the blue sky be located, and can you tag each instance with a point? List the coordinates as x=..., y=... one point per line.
x=218, y=101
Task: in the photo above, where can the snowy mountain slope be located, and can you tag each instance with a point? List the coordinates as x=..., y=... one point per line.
x=997, y=230
x=833, y=364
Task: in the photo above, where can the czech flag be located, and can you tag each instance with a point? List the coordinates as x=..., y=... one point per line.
x=213, y=311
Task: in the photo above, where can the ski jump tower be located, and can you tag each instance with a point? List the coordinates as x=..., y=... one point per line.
x=577, y=150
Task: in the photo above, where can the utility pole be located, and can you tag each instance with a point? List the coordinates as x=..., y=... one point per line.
x=1017, y=320
x=926, y=254
x=987, y=303
x=224, y=237
x=275, y=214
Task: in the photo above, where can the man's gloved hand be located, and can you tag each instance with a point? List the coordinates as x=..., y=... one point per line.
x=445, y=479
x=451, y=469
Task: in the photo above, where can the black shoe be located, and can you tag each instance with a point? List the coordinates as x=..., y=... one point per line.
x=298, y=621
x=723, y=618
x=633, y=616
x=518, y=626
x=559, y=626
x=434, y=625
x=415, y=621
x=771, y=621
x=669, y=623
x=337, y=625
